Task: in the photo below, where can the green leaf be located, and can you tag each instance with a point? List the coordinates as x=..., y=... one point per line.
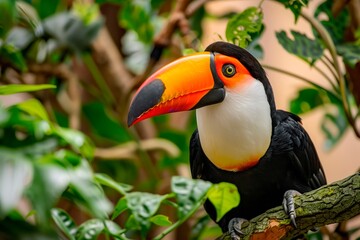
x=90, y=229
x=64, y=222
x=295, y=6
x=188, y=193
x=161, y=220
x=104, y=124
x=18, y=88
x=350, y=53
x=77, y=140
x=310, y=98
x=143, y=206
x=33, y=107
x=7, y=16
x=108, y=181
x=137, y=16
x=241, y=26
x=46, y=8
x=11, y=56
x=335, y=26
x=120, y=207
x=87, y=193
x=224, y=196
x=305, y=48
x=48, y=184
x=15, y=174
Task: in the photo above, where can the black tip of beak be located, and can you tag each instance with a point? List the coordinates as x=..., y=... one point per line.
x=148, y=97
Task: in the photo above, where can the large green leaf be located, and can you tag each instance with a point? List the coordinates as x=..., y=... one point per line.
x=108, y=181
x=189, y=193
x=242, y=25
x=49, y=182
x=15, y=174
x=295, y=6
x=91, y=229
x=350, y=53
x=224, y=196
x=305, y=48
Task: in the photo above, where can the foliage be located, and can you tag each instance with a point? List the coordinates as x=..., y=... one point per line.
x=66, y=144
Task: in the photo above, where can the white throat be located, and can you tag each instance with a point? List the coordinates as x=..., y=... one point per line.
x=236, y=133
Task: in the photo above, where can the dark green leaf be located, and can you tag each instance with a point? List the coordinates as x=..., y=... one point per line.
x=295, y=6
x=161, y=220
x=254, y=47
x=241, y=26
x=103, y=124
x=7, y=16
x=64, y=222
x=46, y=8
x=15, y=173
x=311, y=98
x=12, y=56
x=199, y=227
x=120, y=207
x=305, y=48
x=336, y=26
x=108, y=181
x=350, y=53
x=188, y=193
x=224, y=196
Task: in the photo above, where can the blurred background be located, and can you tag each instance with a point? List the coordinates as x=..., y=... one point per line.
x=96, y=54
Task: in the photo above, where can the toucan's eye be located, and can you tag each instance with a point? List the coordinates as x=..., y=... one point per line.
x=228, y=70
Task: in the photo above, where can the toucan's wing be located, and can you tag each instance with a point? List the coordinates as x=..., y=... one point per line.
x=291, y=139
x=197, y=156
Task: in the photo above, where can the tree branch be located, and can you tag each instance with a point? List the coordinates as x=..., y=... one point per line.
x=329, y=204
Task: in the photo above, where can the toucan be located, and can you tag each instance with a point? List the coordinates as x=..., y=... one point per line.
x=241, y=137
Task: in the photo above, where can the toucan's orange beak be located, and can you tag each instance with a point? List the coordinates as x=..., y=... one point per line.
x=187, y=83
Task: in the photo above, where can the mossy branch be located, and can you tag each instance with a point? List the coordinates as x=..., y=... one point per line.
x=329, y=204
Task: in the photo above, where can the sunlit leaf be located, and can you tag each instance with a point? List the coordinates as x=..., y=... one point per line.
x=295, y=6
x=108, y=181
x=34, y=107
x=64, y=222
x=224, y=196
x=18, y=88
x=16, y=174
x=305, y=48
x=161, y=220
x=188, y=193
x=242, y=25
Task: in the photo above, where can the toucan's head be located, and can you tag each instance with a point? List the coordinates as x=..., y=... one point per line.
x=196, y=81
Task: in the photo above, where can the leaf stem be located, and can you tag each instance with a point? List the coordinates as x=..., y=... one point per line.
x=183, y=219
x=342, y=85
x=326, y=77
